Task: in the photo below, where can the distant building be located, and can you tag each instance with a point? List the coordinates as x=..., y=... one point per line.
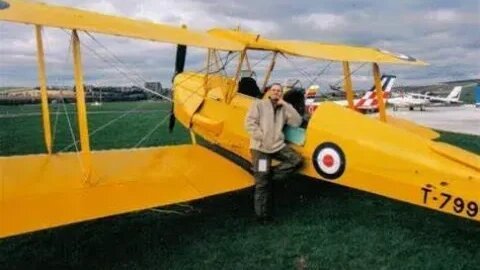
x=115, y=93
x=155, y=86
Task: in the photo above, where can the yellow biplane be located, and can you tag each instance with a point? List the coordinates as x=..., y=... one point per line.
x=339, y=144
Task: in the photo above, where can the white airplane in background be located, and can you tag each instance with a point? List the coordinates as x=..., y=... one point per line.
x=421, y=101
x=452, y=99
x=408, y=101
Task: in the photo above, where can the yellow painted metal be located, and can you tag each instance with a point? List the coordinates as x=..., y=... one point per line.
x=222, y=39
x=316, y=50
x=220, y=87
x=207, y=123
x=190, y=94
x=71, y=18
x=379, y=92
x=412, y=127
x=250, y=40
x=243, y=56
x=193, y=137
x=347, y=80
x=207, y=70
x=457, y=155
x=395, y=159
x=189, y=97
x=42, y=78
x=338, y=52
x=50, y=192
x=269, y=70
x=81, y=107
x=247, y=63
x=216, y=58
x=208, y=60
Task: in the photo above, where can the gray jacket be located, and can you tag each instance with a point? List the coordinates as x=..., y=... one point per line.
x=265, y=125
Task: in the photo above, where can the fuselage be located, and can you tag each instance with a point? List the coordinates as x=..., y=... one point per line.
x=407, y=102
x=389, y=159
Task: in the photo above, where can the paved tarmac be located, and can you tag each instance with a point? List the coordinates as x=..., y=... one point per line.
x=462, y=119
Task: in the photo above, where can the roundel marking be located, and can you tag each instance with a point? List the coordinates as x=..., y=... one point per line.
x=329, y=160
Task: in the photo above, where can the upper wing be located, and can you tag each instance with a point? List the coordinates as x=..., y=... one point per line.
x=44, y=191
x=70, y=18
x=249, y=40
x=337, y=52
x=317, y=50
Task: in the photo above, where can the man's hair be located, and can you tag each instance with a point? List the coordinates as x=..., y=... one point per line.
x=275, y=83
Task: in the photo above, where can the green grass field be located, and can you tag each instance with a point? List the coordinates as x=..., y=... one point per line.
x=318, y=225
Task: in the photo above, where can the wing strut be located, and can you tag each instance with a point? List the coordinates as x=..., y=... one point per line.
x=81, y=107
x=379, y=91
x=347, y=79
x=42, y=78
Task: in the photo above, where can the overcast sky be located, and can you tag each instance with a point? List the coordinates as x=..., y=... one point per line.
x=444, y=33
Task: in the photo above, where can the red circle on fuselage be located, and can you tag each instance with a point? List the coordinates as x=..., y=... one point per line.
x=328, y=160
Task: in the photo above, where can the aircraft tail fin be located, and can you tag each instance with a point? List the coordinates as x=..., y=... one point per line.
x=370, y=97
x=455, y=94
x=387, y=83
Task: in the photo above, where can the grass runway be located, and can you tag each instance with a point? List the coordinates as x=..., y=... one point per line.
x=319, y=225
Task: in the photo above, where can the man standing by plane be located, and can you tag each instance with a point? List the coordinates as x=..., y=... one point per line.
x=264, y=122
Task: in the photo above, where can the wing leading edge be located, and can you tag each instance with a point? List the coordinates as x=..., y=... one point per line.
x=71, y=18
x=316, y=50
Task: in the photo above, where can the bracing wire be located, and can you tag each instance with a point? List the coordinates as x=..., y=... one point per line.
x=72, y=133
x=322, y=71
x=113, y=56
x=299, y=70
x=151, y=131
x=55, y=124
x=57, y=113
x=349, y=74
x=261, y=60
x=136, y=80
x=104, y=126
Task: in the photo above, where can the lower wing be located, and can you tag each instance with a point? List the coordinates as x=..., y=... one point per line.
x=44, y=191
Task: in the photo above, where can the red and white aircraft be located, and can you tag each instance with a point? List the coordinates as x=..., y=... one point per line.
x=367, y=103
